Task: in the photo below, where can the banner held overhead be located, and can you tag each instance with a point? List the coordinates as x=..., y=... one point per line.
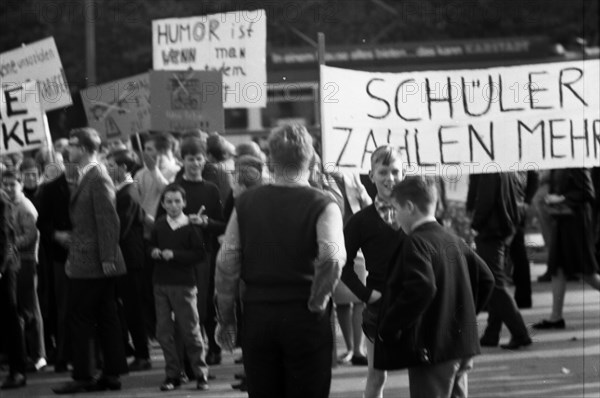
x=540, y=116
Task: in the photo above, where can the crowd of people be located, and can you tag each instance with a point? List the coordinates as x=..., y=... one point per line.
x=201, y=245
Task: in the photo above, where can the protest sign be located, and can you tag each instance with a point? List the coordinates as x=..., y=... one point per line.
x=233, y=43
x=22, y=119
x=37, y=61
x=539, y=116
x=186, y=101
x=120, y=108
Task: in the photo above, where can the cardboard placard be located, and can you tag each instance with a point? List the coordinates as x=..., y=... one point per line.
x=120, y=108
x=187, y=100
x=22, y=119
x=38, y=61
x=233, y=43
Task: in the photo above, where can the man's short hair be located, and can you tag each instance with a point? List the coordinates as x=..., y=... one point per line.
x=173, y=187
x=218, y=147
x=248, y=171
x=163, y=142
x=420, y=190
x=385, y=155
x=290, y=146
x=88, y=138
x=124, y=157
x=248, y=148
x=28, y=164
x=192, y=146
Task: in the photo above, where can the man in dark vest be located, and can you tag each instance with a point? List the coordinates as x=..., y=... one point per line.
x=285, y=241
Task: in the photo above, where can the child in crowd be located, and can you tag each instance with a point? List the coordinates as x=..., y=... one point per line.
x=177, y=249
x=24, y=218
x=375, y=231
x=433, y=293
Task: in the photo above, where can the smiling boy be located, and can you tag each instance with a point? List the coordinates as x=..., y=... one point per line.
x=375, y=231
x=176, y=247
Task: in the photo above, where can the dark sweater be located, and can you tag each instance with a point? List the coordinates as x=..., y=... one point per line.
x=278, y=237
x=131, y=217
x=198, y=194
x=54, y=216
x=367, y=231
x=431, y=301
x=188, y=252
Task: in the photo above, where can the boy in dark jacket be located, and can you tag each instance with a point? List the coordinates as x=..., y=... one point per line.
x=177, y=248
x=432, y=297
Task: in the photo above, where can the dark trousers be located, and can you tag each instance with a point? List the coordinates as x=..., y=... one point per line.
x=210, y=325
x=501, y=307
x=521, y=268
x=287, y=350
x=148, y=292
x=61, y=292
x=130, y=291
x=29, y=309
x=13, y=329
x=92, y=312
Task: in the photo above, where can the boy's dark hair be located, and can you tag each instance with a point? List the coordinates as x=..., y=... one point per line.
x=28, y=164
x=163, y=142
x=124, y=157
x=249, y=171
x=10, y=173
x=192, y=146
x=88, y=138
x=174, y=187
x=419, y=190
x=216, y=146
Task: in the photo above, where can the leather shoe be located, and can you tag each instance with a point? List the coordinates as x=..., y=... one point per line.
x=546, y=324
x=140, y=364
x=487, y=342
x=359, y=360
x=104, y=383
x=16, y=380
x=74, y=387
x=516, y=344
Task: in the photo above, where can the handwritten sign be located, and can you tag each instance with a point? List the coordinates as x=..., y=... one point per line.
x=120, y=108
x=465, y=121
x=186, y=101
x=37, y=61
x=22, y=119
x=233, y=43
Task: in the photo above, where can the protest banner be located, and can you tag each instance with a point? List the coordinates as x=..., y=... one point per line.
x=187, y=100
x=453, y=122
x=37, y=61
x=22, y=119
x=233, y=43
x=120, y=108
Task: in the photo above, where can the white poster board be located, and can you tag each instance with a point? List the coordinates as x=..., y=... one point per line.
x=453, y=122
x=37, y=61
x=233, y=43
x=22, y=119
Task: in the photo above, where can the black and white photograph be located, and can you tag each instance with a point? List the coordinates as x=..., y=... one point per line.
x=300, y=198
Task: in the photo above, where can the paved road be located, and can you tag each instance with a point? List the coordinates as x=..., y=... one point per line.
x=564, y=364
